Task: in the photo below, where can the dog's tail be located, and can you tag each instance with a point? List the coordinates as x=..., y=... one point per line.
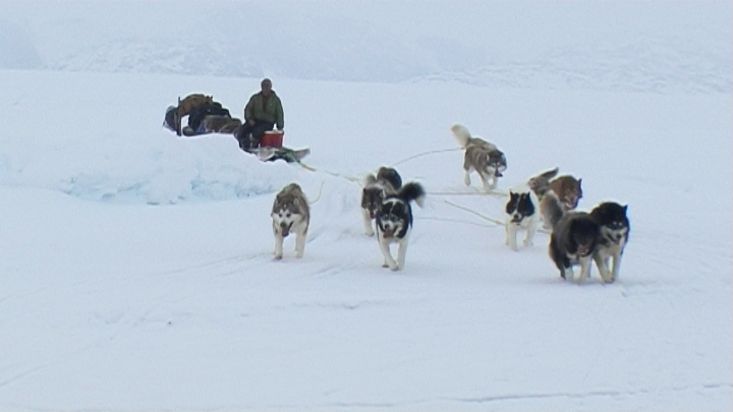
x=461, y=133
x=412, y=191
x=540, y=184
x=549, y=174
x=551, y=209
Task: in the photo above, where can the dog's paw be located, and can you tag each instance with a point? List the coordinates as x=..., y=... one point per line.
x=394, y=268
x=278, y=257
x=369, y=233
x=299, y=255
x=528, y=243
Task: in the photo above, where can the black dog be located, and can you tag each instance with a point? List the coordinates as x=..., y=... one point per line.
x=573, y=241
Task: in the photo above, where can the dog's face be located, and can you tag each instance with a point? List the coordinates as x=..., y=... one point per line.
x=572, y=196
x=497, y=161
x=568, y=190
x=613, y=221
x=285, y=215
x=519, y=207
x=393, y=218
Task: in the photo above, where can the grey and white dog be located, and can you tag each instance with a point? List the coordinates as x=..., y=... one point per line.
x=614, y=234
x=480, y=156
x=290, y=213
x=387, y=182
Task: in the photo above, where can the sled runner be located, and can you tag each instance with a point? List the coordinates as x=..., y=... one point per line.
x=269, y=154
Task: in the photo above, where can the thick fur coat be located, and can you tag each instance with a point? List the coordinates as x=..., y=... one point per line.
x=481, y=157
x=614, y=226
x=290, y=213
x=572, y=242
x=394, y=223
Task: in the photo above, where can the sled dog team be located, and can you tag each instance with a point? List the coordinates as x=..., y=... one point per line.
x=577, y=238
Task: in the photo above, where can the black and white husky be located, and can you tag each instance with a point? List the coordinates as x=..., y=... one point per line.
x=290, y=213
x=614, y=234
x=394, y=222
x=522, y=212
x=480, y=156
x=387, y=182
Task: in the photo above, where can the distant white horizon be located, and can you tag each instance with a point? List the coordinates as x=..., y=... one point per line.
x=660, y=46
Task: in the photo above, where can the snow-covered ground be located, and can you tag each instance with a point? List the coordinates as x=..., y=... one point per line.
x=137, y=270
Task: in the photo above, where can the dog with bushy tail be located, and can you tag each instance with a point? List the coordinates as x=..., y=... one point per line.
x=394, y=222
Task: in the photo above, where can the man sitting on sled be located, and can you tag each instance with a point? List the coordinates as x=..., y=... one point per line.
x=263, y=111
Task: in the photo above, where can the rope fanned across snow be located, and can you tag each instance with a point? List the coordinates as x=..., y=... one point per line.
x=358, y=181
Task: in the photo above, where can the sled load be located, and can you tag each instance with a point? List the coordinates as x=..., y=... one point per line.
x=205, y=115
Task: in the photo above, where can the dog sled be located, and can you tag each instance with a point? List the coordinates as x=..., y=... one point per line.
x=206, y=116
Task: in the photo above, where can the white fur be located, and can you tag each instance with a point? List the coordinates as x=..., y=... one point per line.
x=384, y=244
x=297, y=223
x=464, y=138
x=368, y=222
x=528, y=223
x=585, y=267
x=461, y=133
x=488, y=178
x=603, y=254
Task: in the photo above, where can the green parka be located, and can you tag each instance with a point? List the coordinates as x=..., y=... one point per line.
x=270, y=111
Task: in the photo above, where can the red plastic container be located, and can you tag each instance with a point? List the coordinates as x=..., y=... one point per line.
x=272, y=139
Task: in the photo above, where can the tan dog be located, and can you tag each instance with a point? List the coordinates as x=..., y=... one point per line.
x=563, y=196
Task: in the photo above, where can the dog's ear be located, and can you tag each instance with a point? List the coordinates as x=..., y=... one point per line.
x=626, y=207
x=579, y=182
